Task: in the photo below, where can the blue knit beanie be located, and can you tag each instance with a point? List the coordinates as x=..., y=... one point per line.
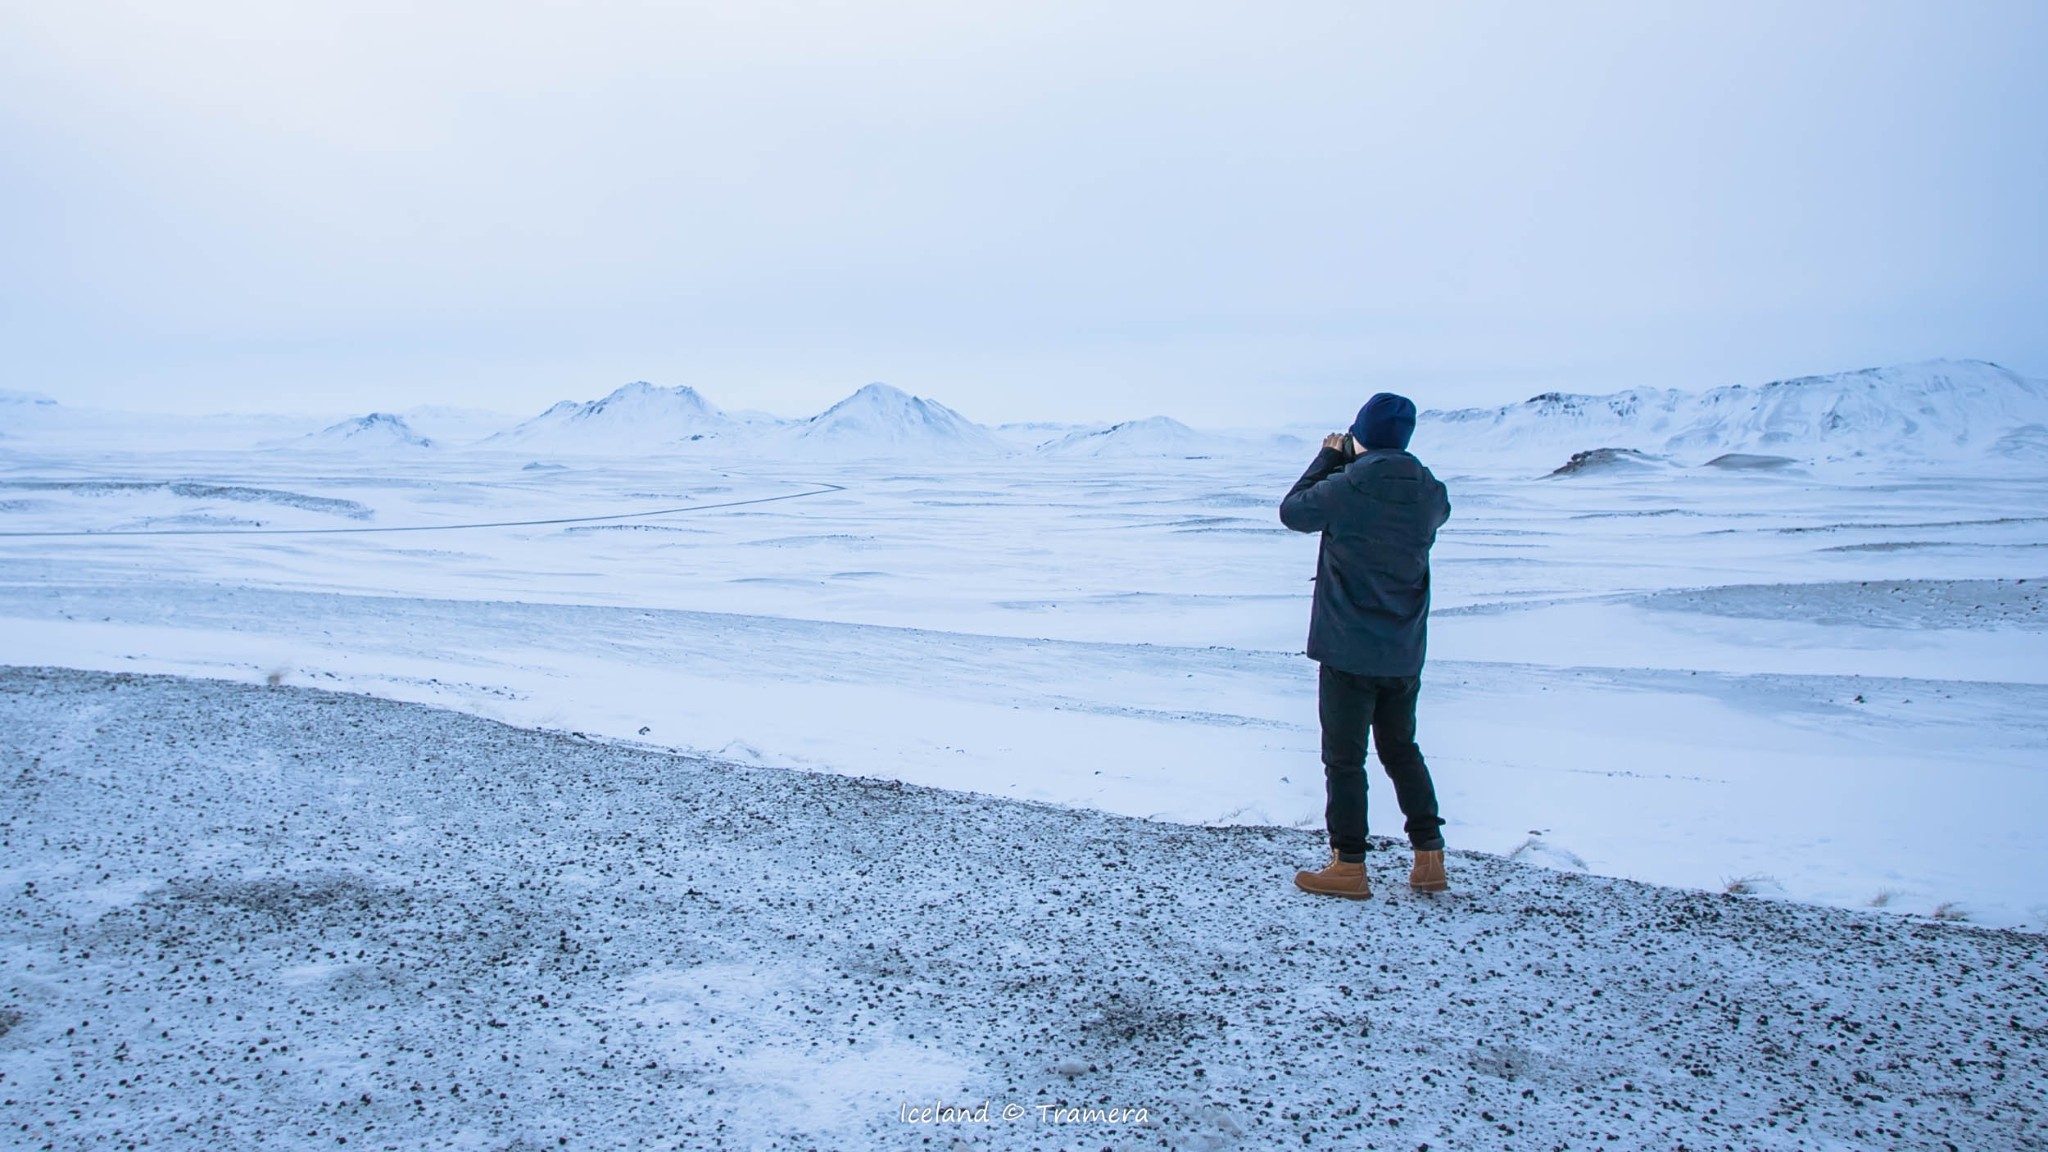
x=1386, y=421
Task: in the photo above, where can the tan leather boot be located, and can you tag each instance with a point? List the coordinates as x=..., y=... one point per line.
x=1337, y=878
x=1428, y=873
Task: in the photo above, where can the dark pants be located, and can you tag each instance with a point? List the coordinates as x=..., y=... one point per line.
x=1349, y=706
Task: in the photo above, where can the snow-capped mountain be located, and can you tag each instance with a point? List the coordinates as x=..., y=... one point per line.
x=1152, y=436
x=882, y=421
x=636, y=416
x=1552, y=419
x=1938, y=409
x=377, y=430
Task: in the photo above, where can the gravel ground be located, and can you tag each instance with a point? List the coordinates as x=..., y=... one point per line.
x=239, y=916
x=1985, y=605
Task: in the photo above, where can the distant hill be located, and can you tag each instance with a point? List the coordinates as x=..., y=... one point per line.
x=21, y=411
x=1596, y=461
x=1934, y=412
x=447, y=424
x=1033, y=433
x=879, y=421
x=1152, y=436
x=876, y=421
x=637, y=416
x=1938, y=409
x=378, y=430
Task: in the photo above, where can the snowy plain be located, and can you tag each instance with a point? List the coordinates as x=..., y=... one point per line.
x=1790, y=648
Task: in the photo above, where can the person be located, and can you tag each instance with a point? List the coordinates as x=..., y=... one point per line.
x=1378, y=510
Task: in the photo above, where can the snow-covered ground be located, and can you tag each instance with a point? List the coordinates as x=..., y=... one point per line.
x=241, y=916
x=1656, y=673
x=1806, y=660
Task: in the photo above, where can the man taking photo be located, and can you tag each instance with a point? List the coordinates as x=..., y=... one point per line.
x=1378, y=510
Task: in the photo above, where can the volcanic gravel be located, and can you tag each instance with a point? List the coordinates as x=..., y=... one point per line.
x=1983, y=605
x=240, y=917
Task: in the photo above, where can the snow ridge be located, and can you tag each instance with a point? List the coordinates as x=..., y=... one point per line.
x=1936, y=409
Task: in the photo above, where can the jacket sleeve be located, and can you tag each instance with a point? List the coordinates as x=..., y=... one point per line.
x=1306, y=506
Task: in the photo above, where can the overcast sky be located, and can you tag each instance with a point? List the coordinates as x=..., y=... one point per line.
x=1238, y=214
